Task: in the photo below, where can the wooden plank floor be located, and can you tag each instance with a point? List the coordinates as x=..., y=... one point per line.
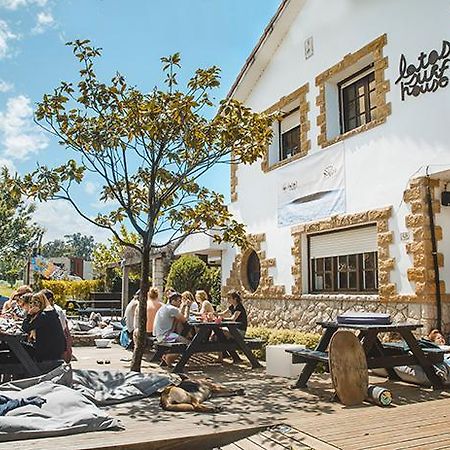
x=418, y=419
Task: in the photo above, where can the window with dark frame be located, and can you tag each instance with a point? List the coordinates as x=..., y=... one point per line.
x=345, y=273
x=356, y=98
x=290, y=143
x=253, y=271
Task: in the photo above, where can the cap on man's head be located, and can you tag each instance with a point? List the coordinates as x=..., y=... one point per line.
x=174, y=296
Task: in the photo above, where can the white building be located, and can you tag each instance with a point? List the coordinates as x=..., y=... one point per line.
x=337, y=210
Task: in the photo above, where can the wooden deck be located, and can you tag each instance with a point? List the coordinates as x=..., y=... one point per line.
x=417, y=420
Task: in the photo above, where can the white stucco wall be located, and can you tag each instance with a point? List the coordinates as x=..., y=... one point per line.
x=379, y=162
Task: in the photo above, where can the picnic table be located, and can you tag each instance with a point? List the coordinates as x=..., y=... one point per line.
x=110, y=312
x=209, y=338
x=16, y=362
x=378, y=354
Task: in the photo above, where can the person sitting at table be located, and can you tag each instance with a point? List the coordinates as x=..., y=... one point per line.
x=236, y=311
x=205, y=305
x=436, y=337
x=46, y=339
x=167, y=324
x=153, y=305
x=67, y=356
x=12, y=306
x=188, y=304
x=167, y=291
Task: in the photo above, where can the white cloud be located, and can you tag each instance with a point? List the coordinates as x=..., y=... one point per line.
x=59, y=218
x=19, y=136
x=6, y=35
x=90, y=187
x=14, y=4
x=5, y=86
x=9, y=165
x=44, y=20
x=108, y=205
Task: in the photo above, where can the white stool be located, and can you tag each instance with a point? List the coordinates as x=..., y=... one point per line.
x=279, y=362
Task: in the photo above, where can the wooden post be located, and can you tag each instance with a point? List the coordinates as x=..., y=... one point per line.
x=125, y=279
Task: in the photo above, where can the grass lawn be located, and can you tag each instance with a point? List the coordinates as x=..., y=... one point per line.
x=6, y=291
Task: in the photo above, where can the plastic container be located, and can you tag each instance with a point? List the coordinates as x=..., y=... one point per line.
x=102, y=343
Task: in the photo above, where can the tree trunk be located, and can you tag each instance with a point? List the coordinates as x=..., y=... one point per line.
x=140, y=342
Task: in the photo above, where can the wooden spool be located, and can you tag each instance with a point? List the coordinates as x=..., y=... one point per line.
x=348, y=368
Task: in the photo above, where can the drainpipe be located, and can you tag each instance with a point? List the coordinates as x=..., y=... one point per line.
x=435, y=256
x=280, y=145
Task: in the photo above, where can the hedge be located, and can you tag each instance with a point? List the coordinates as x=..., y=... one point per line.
x=67, y=290
x=273, y=336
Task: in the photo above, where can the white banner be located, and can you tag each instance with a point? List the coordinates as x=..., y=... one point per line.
x=312, y=187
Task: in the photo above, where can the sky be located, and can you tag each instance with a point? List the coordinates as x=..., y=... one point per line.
x=134, y=35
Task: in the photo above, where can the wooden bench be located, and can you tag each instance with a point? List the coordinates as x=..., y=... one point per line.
x=161, y=348
x=435, y=355
x=303, y=355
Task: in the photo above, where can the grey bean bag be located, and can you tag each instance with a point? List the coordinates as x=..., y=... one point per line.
x=109, y=387
x=66, y=411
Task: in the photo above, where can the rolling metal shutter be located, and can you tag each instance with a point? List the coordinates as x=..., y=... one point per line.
x=348, y=242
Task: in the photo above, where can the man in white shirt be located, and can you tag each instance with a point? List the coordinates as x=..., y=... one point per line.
x=130, y=313
x=164, y=327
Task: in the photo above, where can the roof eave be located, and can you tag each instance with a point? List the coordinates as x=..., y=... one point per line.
x=272, y=27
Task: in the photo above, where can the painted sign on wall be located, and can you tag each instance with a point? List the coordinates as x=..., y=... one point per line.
x=312, y=188
x=428, y=75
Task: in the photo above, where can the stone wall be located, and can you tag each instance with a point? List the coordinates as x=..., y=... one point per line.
x=303, y=314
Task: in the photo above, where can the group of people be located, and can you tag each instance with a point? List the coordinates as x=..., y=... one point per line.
x=168, y=322
x=43, y=322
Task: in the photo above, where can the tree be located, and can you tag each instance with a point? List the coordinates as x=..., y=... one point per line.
x=54, y=249
x=75, y=244
x=80, y=246
x=107, y=254
x=19, y=235
x=149, y=151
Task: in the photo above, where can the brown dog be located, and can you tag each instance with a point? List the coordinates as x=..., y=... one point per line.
x=190, y=394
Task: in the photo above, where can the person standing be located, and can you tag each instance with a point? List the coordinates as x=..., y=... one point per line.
x=130, y=316
x=153, y=305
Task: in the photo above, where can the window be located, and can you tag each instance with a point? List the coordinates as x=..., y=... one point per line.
x=290, y=143
x=345, y=273
x=357, y=103
x=290, y=130
x=352, y=94
x=253, y=271
x=344, y=261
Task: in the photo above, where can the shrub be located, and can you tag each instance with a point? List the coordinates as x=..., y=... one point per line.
x=188, y=273
x=273, y=336
x=67, y=290
x=213, y=284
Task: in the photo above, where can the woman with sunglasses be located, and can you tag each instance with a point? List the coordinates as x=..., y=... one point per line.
x=11, y=306
x=43, y=327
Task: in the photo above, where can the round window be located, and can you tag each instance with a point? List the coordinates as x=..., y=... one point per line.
x=253, y=271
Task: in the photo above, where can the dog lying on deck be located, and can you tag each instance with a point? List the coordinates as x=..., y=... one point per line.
x=190, y=394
